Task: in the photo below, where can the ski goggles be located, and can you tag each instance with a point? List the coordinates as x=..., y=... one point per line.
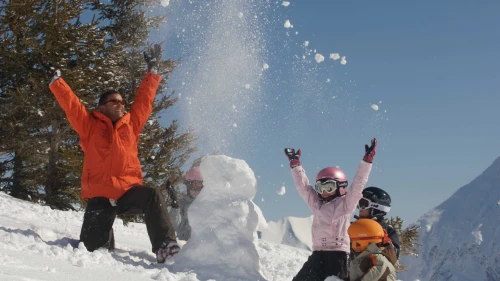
x=195, y=185
x=365, y=204
x=329, y=186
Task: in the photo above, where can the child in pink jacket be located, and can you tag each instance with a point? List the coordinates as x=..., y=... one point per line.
x=332, y=208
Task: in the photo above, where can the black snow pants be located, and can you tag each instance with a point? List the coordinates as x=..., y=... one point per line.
x=322, y=264
x=97, y=228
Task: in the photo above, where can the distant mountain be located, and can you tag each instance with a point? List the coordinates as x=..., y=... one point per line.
x=292, y=231
x=461, y=236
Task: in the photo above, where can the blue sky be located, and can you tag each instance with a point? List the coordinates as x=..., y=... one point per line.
x=433, y=65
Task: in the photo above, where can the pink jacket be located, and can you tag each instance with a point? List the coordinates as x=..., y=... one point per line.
x=331, y=220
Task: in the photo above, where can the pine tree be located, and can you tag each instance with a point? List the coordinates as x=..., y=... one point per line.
x=43, y=159
x=35, y=32
x=408, y=238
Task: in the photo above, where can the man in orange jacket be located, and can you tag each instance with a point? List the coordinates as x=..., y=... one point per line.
x=112, y=174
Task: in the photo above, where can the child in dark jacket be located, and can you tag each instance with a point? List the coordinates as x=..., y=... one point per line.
x=375, y=204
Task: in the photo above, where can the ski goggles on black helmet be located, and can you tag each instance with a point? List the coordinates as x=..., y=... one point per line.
x=329, y=185
x=365, y=204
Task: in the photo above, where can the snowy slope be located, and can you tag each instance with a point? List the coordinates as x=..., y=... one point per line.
x=461, y=236
x=36, y=243
x=292, y=231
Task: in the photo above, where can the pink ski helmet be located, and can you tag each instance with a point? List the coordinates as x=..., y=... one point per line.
x=194, y=174
x=331, y=173
x=336, y=174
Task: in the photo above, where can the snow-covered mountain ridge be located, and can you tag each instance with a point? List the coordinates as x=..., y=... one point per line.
x=461, y=237
x=292, y=231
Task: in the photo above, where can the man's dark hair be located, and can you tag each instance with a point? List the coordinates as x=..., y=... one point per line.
x=104, y=96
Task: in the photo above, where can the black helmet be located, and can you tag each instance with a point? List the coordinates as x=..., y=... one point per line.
x=377, y=200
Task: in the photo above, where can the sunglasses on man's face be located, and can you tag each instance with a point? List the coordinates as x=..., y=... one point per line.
x=114, y=102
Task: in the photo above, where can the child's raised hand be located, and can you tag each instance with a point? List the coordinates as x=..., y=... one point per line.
x=172, y=199
x=370, y=151
x=293, y=156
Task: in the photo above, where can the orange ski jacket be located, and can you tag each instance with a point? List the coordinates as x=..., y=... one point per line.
x=111, y=164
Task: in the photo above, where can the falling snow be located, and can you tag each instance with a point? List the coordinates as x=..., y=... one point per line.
x=319, y=58
x=335, y=56
x=343, y=61
x=281, y=191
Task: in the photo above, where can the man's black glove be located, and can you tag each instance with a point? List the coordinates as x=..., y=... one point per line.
x=52, y=71
x=153, y=58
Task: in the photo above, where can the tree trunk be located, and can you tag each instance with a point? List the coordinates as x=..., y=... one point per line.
x=52, y=181
x=18, y=190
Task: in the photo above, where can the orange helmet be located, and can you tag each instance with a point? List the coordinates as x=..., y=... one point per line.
x=363, y=232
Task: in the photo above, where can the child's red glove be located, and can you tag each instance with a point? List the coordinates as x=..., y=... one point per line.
x=293, y=157
x=370, y=151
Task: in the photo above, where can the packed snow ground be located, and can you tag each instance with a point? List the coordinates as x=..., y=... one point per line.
x=37, y=243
